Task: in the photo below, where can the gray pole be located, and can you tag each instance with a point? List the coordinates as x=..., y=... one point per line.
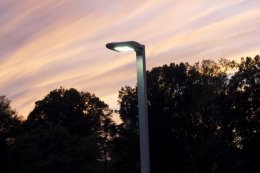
x=143, y=112
x=142, y=97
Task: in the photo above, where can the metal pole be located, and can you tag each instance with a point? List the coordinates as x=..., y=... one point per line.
x=143, y=112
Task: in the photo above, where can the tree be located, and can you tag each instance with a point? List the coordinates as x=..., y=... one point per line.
x=125, y=151
x=81, y=113
x=9, y=124
x=125, y=154
x=61, y=107
x=8, y=117
x=244, y=101
x=191, y=116
x=53, y=149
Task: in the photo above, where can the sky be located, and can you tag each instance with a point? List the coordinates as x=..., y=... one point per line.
x=46, y=44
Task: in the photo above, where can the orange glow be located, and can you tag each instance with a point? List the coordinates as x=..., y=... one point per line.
x=52, y=43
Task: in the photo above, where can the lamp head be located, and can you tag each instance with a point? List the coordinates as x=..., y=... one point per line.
x=125, y=46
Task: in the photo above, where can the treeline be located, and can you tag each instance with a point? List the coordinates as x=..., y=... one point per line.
x=203, y=118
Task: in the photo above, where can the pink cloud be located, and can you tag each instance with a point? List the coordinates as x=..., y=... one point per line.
x=53, y=43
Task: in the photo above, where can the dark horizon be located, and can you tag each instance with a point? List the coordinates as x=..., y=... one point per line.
x=202, y=119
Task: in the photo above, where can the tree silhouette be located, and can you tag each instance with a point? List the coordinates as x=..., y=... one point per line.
x=199, y=117
x=67, y=131
x=244, y=100
x=9, y=125
x=203, y=117
x=52, y=150
x=81, y=113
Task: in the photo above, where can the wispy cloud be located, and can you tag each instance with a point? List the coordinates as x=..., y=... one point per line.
x=52, y=43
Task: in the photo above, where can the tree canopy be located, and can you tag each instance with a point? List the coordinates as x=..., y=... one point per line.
x=67, y=131
x=203, y=117
x=52, y=150
x=9, y=126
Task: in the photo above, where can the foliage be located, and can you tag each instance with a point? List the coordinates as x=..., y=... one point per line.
x=53, y=150
x=67, y=131
x=81, y=113
x=8, y=117
x=9, y=125
x=202, y=117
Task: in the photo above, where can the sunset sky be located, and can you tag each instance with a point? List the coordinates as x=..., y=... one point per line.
x=45, y=44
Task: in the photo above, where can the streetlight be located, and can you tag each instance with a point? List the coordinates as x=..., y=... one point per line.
x=142, y=97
